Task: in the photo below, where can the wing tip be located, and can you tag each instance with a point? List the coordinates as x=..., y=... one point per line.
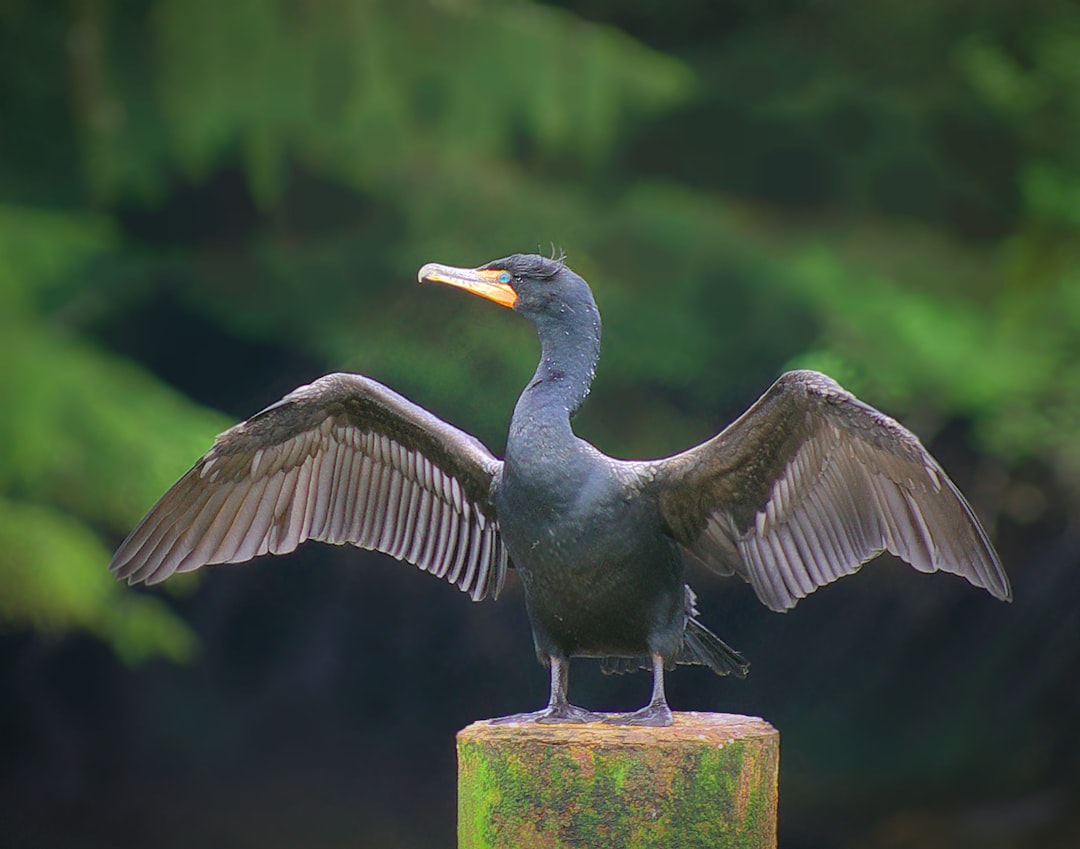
x=999, y=586
x=124, y=566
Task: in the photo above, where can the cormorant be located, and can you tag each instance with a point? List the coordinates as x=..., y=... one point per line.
x=802, y=489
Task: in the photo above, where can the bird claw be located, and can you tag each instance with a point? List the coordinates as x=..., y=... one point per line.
x=652, y=715
x=551, y=715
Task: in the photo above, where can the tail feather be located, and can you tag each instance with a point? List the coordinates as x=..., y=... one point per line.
x=700, y=645
x=624, y=665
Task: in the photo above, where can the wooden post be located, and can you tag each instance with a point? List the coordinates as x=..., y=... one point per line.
x=707, y=782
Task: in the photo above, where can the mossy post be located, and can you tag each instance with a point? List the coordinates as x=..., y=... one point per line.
x=707, y=782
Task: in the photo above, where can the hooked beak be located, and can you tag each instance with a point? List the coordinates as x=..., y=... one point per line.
x=480, y=281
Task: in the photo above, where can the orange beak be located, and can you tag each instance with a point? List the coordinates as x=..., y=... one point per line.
x=484, y=282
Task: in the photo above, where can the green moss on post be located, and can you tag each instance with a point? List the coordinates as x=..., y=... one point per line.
x=707, y=782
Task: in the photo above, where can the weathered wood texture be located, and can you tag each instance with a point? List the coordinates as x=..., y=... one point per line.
x=707, y=782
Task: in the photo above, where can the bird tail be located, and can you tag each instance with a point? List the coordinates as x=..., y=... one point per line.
x=700, y=647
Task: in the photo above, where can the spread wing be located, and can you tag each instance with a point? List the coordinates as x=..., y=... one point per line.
x=809, y=484
x=341, y=460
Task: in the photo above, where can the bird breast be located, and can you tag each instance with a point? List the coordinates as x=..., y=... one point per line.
x=570, y=511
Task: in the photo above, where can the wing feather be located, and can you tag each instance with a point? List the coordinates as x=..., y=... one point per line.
x=342, y=460
x=809, y=485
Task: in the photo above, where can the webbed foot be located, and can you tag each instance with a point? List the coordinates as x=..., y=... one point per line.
x=552, y=714
x=653, y=715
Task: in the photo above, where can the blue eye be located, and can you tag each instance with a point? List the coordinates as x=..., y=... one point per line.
x=504, y=278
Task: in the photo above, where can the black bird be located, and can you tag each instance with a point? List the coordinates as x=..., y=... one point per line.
x=805, y=487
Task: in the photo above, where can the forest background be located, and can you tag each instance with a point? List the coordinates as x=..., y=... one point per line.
x=205, y=204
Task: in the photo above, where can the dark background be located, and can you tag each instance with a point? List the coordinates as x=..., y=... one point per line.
x=205, y=204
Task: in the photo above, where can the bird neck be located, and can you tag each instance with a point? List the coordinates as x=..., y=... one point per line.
x=569, y=350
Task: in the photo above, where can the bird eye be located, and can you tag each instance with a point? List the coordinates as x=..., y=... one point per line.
x=504, y=277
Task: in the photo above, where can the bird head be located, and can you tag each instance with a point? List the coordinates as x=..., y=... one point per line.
x=536, y=287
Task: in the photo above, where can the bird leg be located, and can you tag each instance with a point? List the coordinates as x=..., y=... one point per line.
x=559, y=708
x=656, y=712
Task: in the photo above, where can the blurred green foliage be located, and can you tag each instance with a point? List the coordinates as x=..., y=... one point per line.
x=86, y=443
x=889, y=192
